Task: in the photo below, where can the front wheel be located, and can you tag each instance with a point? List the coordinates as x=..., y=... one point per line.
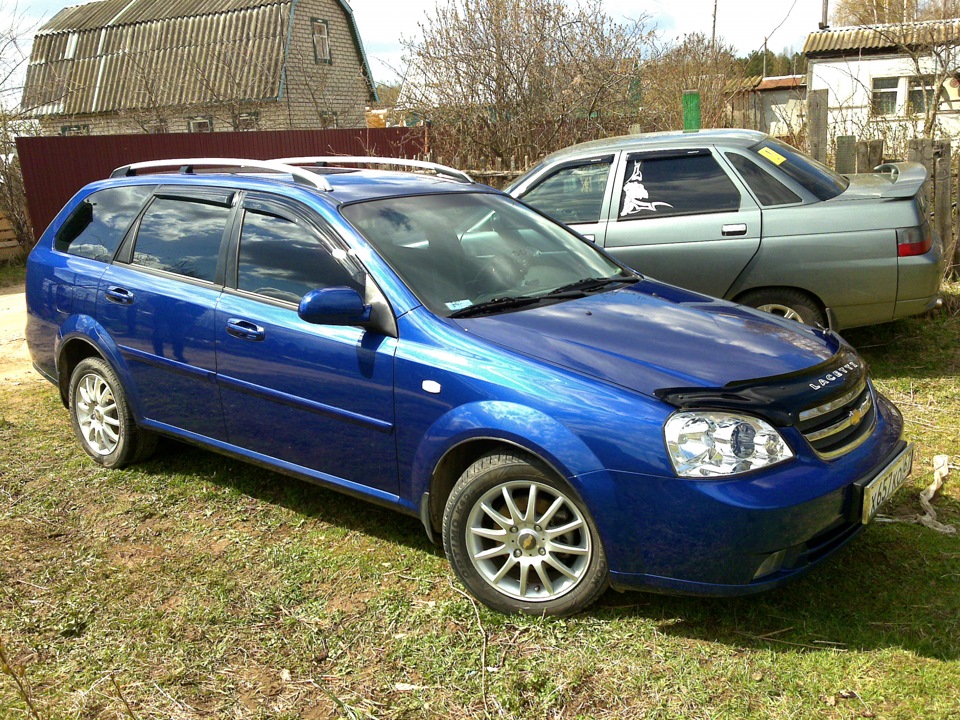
x=520, y=540
x=787, y=303
x=102, y=419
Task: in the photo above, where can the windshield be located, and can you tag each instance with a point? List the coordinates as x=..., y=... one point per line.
x=815, y=177
x=459, y=250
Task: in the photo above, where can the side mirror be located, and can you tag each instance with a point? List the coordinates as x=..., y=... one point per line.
x=333, y=306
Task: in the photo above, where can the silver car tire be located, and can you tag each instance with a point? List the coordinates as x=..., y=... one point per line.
x=102, y=419
x=787, y=303
x=520, y=540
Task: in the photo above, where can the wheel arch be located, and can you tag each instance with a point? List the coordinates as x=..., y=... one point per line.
x=82, y=337
x=437, y=468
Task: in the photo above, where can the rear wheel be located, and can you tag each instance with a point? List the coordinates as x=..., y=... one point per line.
x=520, y=539
x=102, y=419
x=787, y=303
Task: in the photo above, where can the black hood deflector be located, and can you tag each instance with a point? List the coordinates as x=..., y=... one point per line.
x=778, y=399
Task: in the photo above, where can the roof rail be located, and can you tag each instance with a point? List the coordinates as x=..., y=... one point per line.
x=304, y=177
x=363, y=159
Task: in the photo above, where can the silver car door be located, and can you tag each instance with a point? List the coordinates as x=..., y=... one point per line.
x=681, y=217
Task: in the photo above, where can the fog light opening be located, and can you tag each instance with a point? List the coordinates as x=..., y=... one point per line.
x=773, y=563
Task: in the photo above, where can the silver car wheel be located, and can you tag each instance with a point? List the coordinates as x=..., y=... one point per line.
x=528, y=540
x=98, y=414
x=783, y=311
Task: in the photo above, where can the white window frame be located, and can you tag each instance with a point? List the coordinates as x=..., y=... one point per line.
x=320, y=32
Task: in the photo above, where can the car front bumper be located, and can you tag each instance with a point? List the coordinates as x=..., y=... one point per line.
x=741, y=536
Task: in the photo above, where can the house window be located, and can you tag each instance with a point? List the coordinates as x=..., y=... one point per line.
x=200, y=124
x=157, y=128
x=71, y=130
x=883, y=99
x=321, y=41
x=246, y=121
x=921, y=95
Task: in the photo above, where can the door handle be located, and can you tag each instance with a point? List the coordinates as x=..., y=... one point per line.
x=119, y=295
x=736, y=229
x=245, y=330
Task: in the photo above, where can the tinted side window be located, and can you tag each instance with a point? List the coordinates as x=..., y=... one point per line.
x=281, y=259
x=572, y=194
x=181, y=236
x=768, y=189
x=685, y=185
x=98, y=224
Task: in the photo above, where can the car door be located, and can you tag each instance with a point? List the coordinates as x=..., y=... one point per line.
x=158, y=302
x=682, y=217
x=316, y=397
x=576, y=193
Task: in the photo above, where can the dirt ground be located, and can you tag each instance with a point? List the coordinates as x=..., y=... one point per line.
x=15, y=367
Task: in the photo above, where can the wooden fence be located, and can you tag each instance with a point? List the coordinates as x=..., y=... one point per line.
x=9, y=247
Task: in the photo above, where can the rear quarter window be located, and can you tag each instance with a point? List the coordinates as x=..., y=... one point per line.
x=97, y=225
x=768, y=189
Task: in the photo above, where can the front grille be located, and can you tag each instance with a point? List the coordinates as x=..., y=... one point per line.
x=841, y=424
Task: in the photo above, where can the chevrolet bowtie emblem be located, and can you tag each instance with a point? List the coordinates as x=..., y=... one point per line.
x=856, y=415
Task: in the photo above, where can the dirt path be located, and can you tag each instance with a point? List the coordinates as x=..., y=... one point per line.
x=15, y=366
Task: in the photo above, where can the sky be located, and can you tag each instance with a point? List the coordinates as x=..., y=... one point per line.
x=741, y=23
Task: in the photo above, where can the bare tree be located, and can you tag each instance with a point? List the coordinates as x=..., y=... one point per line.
x=695, y=63
x=875, y=12
x=512, y=78
x=14, y=121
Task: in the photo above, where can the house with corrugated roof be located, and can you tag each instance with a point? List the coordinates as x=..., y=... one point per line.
x=120, y=66
x=884, y=80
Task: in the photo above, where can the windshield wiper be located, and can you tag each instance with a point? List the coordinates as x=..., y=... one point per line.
x=590, y=285
x=496, y=305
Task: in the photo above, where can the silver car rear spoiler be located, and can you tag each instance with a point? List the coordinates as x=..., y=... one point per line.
x=906, y=179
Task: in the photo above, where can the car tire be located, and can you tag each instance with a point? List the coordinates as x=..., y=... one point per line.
x=787, y=303
x=102, y=419
x=515, y=561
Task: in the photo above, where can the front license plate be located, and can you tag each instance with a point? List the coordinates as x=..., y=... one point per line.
x=886, y=483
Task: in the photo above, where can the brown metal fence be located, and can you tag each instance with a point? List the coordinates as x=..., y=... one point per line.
x=54, y=168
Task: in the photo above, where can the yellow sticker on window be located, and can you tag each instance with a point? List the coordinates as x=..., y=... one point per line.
x=772, y=155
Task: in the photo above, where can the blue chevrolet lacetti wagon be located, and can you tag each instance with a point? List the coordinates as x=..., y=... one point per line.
x=562, y=422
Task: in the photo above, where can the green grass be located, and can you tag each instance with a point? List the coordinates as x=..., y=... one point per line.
x=12, y=273
x=193, y=586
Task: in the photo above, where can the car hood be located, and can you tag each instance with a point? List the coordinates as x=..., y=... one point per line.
x=653, y=336
x=896, y=180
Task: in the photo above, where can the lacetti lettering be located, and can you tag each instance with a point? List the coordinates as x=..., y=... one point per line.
x=835, y=375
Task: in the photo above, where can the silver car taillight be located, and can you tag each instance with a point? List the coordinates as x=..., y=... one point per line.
x=914, y=240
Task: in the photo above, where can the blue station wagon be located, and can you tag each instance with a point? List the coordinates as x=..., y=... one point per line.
x=559, y=421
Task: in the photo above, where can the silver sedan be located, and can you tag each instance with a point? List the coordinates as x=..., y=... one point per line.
x=739, y=215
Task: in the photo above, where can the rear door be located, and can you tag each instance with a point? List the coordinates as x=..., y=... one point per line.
x=158, y=301
x=682, y=217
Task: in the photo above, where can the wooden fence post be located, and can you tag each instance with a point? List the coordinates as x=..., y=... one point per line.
x=869, y=155
x=846, y=162
x=943, y=198
x=817, y=124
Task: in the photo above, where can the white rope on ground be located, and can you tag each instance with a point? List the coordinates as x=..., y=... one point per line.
x=941, y=468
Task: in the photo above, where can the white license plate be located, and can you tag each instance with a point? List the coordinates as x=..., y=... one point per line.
x=885, y=484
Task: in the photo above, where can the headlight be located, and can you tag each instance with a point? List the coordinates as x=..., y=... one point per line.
x=711, y=444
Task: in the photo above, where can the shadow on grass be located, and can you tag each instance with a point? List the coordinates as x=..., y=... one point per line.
x=299, y=496
x=895, y=586
x=925, y=347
